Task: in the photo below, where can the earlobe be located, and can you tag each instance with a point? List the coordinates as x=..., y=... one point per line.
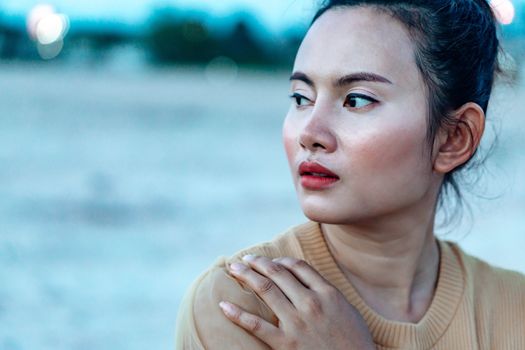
x=458, y=142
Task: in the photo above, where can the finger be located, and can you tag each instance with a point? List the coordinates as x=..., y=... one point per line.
x=264, y=288
x=304, y=272
x=255, y=325
x=284, y=279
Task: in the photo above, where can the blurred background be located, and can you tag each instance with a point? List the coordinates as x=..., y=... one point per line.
x=141, y=140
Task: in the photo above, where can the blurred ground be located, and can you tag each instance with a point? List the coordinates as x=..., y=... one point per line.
x=117, y=188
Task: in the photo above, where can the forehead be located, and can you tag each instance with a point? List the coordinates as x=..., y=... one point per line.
x=350, y=39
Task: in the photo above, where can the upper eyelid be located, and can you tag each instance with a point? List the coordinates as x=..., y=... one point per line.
x=362, y=95
x=297, y=94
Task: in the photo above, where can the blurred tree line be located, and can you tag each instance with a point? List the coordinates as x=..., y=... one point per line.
x=179, y=39
x=170, y=36
x=174, y=36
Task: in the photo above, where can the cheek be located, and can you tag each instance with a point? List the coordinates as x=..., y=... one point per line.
x=289, y=140
x=393, y=147
x=392, y=155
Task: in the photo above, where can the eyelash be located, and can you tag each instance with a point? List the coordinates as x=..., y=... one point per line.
x=361, y=96
x=299, y=97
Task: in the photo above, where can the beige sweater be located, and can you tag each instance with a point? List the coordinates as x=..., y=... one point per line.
x=475, y=305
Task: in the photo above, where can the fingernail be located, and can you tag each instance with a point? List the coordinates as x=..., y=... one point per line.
x=226, y=308
x=249, y=258
x=237, y=267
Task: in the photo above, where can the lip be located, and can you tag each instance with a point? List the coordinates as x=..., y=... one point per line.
x=316, y=177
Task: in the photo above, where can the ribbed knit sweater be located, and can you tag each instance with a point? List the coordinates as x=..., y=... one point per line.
x=475, y=305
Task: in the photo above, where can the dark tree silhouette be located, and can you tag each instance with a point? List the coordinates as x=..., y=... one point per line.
x=242, y=46
x=173, y=40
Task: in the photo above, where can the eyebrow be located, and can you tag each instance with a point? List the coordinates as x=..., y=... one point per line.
x=344, y=80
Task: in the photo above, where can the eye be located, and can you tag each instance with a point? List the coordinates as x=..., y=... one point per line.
x=358, y=101
x=300, y=100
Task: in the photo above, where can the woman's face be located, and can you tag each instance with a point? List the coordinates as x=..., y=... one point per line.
x=359, y=110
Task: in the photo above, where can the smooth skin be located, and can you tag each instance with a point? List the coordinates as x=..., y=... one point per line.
x=359, y=108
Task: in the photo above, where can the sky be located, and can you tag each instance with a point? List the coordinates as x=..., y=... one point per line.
x=275, y=14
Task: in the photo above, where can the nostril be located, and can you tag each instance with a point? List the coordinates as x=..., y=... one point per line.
x=314, y=145
x=317, y=140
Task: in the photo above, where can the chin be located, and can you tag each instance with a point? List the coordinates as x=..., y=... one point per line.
x=324, y=215
x=329, y=212
x=320, y=210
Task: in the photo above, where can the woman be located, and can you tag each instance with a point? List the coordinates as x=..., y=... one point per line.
x=388, y=103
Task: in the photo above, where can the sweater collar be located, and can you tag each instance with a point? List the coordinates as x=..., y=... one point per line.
x=387, y=333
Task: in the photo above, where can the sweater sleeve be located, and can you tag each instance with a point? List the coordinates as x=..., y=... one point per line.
x=201, y=323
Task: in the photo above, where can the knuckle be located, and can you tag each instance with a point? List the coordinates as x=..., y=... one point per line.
x=299, y=264
x=297, y=323
x=264, y=286
x=254, y=324
x=274, y=269
x=313, y=306
x=236, y=315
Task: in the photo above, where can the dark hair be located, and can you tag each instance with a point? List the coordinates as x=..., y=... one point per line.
x=456, y=51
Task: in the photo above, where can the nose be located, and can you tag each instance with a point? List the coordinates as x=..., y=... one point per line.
x=317, y=134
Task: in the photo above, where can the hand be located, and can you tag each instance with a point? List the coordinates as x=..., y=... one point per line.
x=312, y=313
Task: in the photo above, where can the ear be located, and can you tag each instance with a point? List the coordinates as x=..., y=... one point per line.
x=458, y=142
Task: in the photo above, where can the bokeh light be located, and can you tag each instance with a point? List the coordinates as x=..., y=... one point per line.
x=51, y=28
x=504, y=10
x=48, y=28
x=36, y=14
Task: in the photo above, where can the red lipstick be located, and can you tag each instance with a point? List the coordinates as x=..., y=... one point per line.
x=316, y=177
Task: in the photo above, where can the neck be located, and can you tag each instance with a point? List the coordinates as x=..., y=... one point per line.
x=392, y=263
